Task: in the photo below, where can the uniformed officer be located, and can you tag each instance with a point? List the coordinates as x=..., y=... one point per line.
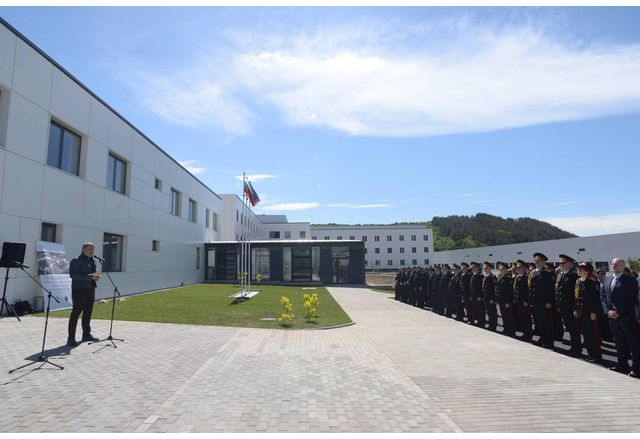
x=454, y=303
x=541, y=294
x=434, y=288
x=465, y=291
x=475, y=290
x=488, y=296
x=565, y=301
x=396, y=284
x=444, y=286
x=589, y=309
x=504, y=299
x=521, y=300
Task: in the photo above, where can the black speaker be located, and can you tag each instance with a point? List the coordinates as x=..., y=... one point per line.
x=12, y=254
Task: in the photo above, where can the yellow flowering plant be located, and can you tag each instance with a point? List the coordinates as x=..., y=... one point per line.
x=310, y=303
x=287, y=316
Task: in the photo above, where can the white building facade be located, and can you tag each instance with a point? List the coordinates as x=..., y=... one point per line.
x=387, y=247
x=599, y=250
x=73, y=170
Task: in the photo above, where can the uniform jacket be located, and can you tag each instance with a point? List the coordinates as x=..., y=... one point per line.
x=475, y=288
x=504, y=289
x=587, y=296
x=489, y=287
x=541, y=287
x=465, y=284
x=565, y=289
x=521, y=289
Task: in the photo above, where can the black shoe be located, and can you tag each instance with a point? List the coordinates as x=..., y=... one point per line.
x=89, y=337
x=619, y=370
x=72, y=343
x=634, y=374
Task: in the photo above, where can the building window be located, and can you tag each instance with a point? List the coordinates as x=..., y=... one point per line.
x=414, y=250
x=206, y=218
x=313, y=238
x=261, y=263
x=426, y=249
x=116, y=174
x=414, y=262
x=426, y=262
x=401, y=249
x=237, y=216
x=48, y=232
x=214, y=222
x=388, y=237
x=155, y=246
x=364, y=238
x=413, y=237
x=193, y=210
x=112, y=247
x=274, y=235
x=287, y=234
x=377, y=263
x=175, y=202
x=425, y=237
x=352, y=238
x=376, y=238
x=64, y=149
x=389, y=250
x=158, y=184
x=401, y=237
x=303, y=234
x=377, y=250
x=365, y=251
x=366, y=263
x=389, y=262
x=602, y=265
x=401, y=261
x=339, y=238
x=326, y=238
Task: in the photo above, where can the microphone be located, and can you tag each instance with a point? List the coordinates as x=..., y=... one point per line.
x=20, y=265
x=100, y=259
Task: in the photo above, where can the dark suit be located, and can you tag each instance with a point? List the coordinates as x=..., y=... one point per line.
x=465, y=287
x=588, y=302
x=504, y=297
x=454, y=302
x=489, y=296
x=565, y=304
x=477, y=306
x=83, y=294
x=541, y=292
x=442, y=293
x=523, y=312
x=626, y=332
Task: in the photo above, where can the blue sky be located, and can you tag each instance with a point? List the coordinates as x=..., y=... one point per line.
x=377, y=115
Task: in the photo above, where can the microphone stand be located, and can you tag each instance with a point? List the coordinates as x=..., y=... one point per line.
x=42, y=359
x=4, y=301
x=113, y=308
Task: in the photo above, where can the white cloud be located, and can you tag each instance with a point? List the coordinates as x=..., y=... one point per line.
x=564, y=203
x=374, y=80
x=291, y=206
x=482, y=201
x=360, y=206
x=598, y=225
x=470, y=194
x=256, y=177
x=192, y=166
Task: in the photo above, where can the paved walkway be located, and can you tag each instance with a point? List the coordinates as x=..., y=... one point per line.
x=398, y=369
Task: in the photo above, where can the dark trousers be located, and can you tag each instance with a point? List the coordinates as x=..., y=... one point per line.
x=479, y=311
x=524, y=317
x=83, y=299
x=468, y=308
x=544, y=319
x=508, y=320
x=591, y=334
x=627, y=338
x=458, y=307
x=492, y=313
x=570, y=324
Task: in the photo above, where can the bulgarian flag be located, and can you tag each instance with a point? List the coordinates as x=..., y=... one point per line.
x=251, y=193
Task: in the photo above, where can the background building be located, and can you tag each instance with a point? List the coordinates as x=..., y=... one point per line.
x=387, y=247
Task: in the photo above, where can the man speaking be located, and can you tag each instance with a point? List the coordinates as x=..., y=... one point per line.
x=82, y=271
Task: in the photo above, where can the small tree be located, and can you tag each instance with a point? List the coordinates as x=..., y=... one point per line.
x=287, y=316
x=310, y=302
x=634, y=264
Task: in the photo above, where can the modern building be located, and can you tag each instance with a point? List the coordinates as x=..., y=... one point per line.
x=74, y=170
x=279, y=227
x=289, y=261
x=387, y=247
x=597, y=249
x=237, y=220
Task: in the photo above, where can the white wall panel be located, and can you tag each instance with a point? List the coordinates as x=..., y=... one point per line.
x=96, y=162
x=32, y=75
x=140, y=220
x=120, y=137
x=63, y=197
x=144, y=153
x=7, y=55
x=93, y=208
x=22, y=187
x=27, y=129
x=116, y=213
x=70, y=103
x=99, y=124
x=10, y=230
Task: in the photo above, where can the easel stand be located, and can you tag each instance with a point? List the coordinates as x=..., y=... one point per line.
x=41, y=359
x=4, y=302
x=113, y=308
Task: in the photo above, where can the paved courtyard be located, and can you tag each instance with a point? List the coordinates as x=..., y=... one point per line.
x=397, y=369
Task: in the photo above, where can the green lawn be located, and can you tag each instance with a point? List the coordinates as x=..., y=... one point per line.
x=210, y=304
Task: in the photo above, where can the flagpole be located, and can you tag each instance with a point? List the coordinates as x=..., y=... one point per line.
x=242, y=250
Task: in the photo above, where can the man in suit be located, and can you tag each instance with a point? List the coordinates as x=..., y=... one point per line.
x=454, y=303
x=465, y=287
x=624, y=294
x=541, y=294
x=489, y=295
x=443, y=290
x=521, y=300
x=606, y=324
x=475, y=290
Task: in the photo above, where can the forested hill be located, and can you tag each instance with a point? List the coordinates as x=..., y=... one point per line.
x=481, y=230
